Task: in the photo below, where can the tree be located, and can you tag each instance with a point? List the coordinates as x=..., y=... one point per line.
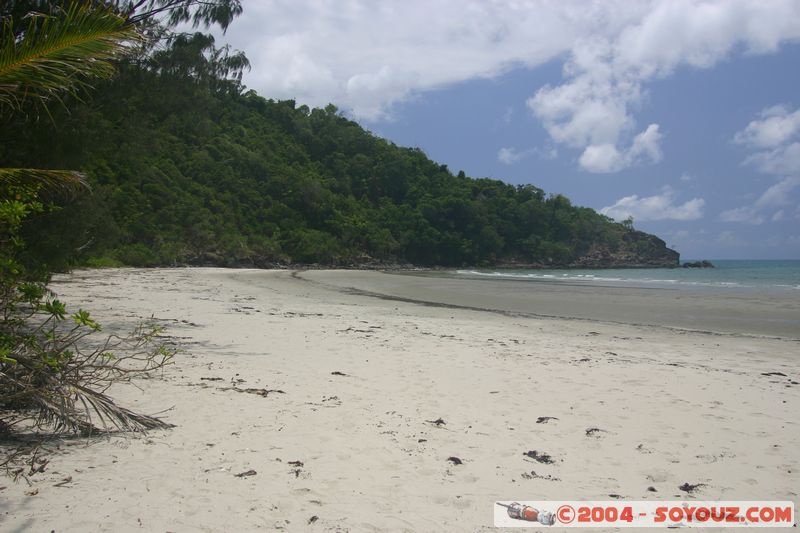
x=50, y=375
x=628, y=223
x=57, y=56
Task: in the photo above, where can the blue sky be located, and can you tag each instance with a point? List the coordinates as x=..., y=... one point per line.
x=684, y=114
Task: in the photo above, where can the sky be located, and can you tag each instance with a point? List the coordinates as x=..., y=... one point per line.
x=683, y=114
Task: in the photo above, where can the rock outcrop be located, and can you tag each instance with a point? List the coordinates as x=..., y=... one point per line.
x=698, y=264
x=638, y=250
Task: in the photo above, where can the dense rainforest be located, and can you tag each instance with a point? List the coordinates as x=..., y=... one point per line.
x=186, y=166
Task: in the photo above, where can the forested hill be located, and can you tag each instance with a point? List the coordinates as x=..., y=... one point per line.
x=188, y=169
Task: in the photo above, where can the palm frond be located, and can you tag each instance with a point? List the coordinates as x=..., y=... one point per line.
x=58, y=54
x=61, y=181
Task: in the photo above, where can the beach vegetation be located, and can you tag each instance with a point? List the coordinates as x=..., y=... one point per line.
x=57, y=367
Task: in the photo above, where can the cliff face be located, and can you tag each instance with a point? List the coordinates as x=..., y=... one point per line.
x=637, y=250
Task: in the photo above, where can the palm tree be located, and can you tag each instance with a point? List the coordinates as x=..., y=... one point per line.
x=55, y=56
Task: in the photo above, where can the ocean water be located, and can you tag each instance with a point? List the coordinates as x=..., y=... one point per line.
x=731, y=274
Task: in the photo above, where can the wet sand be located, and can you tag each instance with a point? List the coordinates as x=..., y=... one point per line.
x=738, y=311
x=303, y=406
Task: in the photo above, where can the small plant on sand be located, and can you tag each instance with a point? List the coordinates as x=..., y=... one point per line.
x=56, y=366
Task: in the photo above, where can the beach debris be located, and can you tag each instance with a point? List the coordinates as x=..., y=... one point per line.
x=545, y=419
x=594, y=432
x=641, y=448
x=438, y=422
x=651, y=489
x=534, y=475
x=518, y=511
x=38, y=465
x=781, y=374
x=539, y=457
x=422, y=440
x=354, y=330
x=63, y=482
x=616, y=496
x=258, y=392
x=247, y=473
x=313, y=519
x=688, y=487
x=295, y=463
x=33, y=492
x=211, y=379
x=455, y=460
x=337, y=373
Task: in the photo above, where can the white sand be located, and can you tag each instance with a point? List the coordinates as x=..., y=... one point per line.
x=672, y=407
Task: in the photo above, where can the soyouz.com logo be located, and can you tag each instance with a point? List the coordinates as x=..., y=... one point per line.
x=622, y=513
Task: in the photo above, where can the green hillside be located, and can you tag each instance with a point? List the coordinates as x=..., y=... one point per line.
x=187, y=168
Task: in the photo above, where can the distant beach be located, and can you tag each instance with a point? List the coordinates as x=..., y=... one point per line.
x=765, y=275
x=371, y=401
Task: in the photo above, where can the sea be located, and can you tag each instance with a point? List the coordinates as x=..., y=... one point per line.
x=763, y=275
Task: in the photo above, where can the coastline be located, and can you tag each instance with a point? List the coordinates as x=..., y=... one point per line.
x=707, y=311
x=345, y=436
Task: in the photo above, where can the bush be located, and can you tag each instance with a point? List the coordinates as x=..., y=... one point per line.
x=103, y=262
x=55, y=366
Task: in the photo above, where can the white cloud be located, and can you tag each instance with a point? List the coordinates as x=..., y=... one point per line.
x=365, y=56
x=605, y=75
x=729, y=238
x=776, y=126
x=775, y=137
x=658, y=207
x=746, y=215
x=775, y=130
x=782, y=160
x=509, y=156
x=684, y=238
x=778, y=194
x=646, y=145
x=602, y=158
x=686, y=177
x=605, y=158
x=509, y=113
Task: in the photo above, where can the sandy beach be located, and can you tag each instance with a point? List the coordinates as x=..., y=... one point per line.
x=336, y=401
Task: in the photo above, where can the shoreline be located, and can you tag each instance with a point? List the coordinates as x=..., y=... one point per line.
x=727, y=312
x=345, y=435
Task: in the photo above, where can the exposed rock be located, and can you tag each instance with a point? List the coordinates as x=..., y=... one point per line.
x=637, y=250
x=698, y=264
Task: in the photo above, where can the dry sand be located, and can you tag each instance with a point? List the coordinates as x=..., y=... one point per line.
x=351, y=443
